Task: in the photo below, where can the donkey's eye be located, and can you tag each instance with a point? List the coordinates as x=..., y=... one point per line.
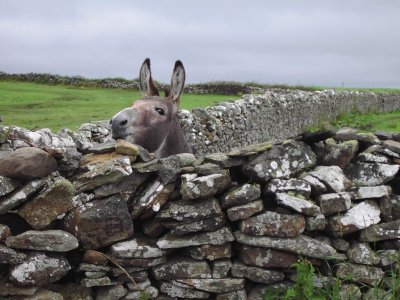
x=160, y=111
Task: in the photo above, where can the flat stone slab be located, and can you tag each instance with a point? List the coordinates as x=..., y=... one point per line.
x=373, y=192
x=337, y=153
x=358, y=217
x=288, y=186
x=4, y=232
x=7, y=185
x=360, y=273
x=208, y=224
x=236, y=295
x=381, y=232
x=302, y=245
x=210, y=252
x=347, y=134
x=180, y=290
x=244, y=211
x=298, y=204
x=265, y=257
x=273, y=224
x=223, y=285
x=220, y=268
x=223, y=160
x=49, y=240
x=218, y=237
x=334, y=203
x=182, y=269
x=241, y=195
x=280, y=162
x=9, y=256
x=392, y=146
x=38, y=269
x=196, y=187
x=137, y=247
x=371, y=174
x=333, y=177
x=317, y=223
x=8, y=289
x=256, y=274
x=361, y=253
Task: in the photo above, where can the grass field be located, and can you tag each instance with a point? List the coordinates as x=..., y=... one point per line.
x=33, y=105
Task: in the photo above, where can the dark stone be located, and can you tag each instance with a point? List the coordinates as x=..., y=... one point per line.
x=27, y=163
x=7, y=185
x=169, y=169
x=334, y=203
x=9, y=256
x=244, y=211
x=256, y=274
x=223, y=285
x=241, y=195
x=181, y=269
x=100, y=223
x=209, y=252
x=360, y=273
x=381, y=232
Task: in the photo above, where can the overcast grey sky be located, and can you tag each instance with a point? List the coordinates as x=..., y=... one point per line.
x=308, y=42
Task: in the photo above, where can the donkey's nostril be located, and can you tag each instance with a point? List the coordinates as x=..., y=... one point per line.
x=123, y=122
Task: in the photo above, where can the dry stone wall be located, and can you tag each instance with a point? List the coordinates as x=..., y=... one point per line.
x=86, y=220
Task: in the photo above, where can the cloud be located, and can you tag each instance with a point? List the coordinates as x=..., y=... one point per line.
x=311, y=42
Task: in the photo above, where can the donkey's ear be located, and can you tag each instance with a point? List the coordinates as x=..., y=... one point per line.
x=177, y=82
x=147, y=85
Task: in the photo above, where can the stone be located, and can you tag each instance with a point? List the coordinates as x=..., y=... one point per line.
x=22, y=194
x=8, y=289
x=49, y=204
x=377, y=293
x=223, y=285
x=358, y=217
x=151, y=199
x=265, y=257
x=7, y=185
x=103, y=172
x=387, y=258
x=4, y=232
x=207, y=169
x=392, y=146
x=196, y=187
x=361, y=253
x=372, y=158
x=39, y=268
x=242, y=194
x=338, y=154
x=139, y=286
x=381, y=232
x=290, y=186
x=235, y=295
x=244, y=211
x=100, y=148
x=223, y=160
x=373, y=192
x=10, y=256
x=169, y=169
x=390, y=208
x=251, y=149
x=137, y=247
x=85, y=267
x=140, y=262
x=360, y=273
x=95, y=275
x=43, y=294
x=347, y=134
x=317, y=187
x=302, y=245
x=208, y=224
x=100, y=223
x=146, y=167
x=150, y=292
x=371, y=174
x=128, y=185
x=334, y=203
x=111, y=292
x=218, y=237
x=209, y=252
x=350, y=291
x=186, y=159
x=49, y=240
x=182, y=291
x=91, y=282
x=123, y=147
x=27, y=163
x=273, y=224
x=383, y=135
x=333, y=177
x=220, y=268
x=68, y=164
x=340, y=244
x=319, y=135
x=298, y=204
x=256, y=274
x=316, y=223
x=185, y=211
x=153, y=228
x=181, y=269
x=280, y=162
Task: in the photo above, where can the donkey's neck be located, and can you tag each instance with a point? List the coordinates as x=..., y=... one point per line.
x=175, y=141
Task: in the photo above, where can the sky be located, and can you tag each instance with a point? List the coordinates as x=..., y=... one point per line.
x=353, y=43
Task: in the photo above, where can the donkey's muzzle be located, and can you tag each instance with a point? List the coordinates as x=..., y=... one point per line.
x=122, y=123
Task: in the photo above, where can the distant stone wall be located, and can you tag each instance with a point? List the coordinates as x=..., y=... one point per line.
x=107, y=221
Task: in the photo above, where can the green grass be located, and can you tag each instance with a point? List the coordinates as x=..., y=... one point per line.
x=33, y=105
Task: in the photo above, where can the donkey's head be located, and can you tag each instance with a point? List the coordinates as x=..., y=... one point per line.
x=151, y=122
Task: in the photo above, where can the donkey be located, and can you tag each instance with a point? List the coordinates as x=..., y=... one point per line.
x=151, y=122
